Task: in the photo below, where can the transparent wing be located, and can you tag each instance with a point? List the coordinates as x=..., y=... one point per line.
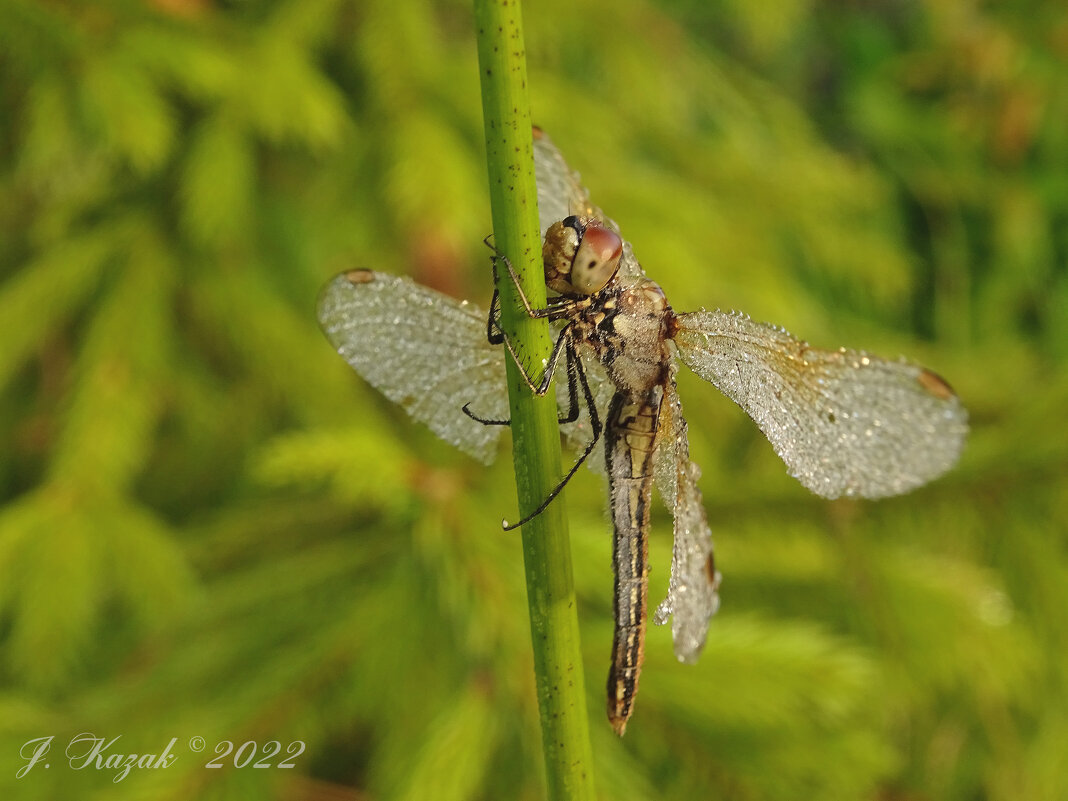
x=845, y=423
x=422, y=350
x=693, y=589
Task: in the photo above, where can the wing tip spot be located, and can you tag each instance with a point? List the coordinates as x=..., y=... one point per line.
x=710, y=571
x=935, y=385
x=359, y=276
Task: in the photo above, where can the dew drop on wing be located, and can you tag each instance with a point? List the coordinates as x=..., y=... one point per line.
x=693, y=588
x=844, y=422
x=423, y=350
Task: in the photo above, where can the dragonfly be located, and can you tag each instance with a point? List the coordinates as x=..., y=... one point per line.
x=846, y=423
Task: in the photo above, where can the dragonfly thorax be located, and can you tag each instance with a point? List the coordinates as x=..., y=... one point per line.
x=580, y=256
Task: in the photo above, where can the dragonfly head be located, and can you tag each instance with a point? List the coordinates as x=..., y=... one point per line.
x=580, y=256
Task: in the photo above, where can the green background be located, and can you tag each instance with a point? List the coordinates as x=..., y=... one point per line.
x=211, y=527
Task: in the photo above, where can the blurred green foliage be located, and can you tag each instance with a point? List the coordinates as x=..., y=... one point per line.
x=210, y=527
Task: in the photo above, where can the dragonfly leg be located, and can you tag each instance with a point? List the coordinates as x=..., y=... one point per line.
x=557, y=308
x=573, y=365
x=543, y=386
x=595, y=424
x=499, y=256
x=494, y=334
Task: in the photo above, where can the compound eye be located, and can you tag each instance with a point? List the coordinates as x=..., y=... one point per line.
x=596, y=259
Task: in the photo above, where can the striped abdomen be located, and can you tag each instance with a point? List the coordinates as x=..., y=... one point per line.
x=630, y=441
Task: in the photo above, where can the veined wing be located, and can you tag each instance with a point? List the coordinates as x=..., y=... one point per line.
x=422, y=350
x=429, y=353
x=845, y=423
x=693, y=589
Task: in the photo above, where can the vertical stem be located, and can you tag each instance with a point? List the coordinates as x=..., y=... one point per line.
x=546, y=548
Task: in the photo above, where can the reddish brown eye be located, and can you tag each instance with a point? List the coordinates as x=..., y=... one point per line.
x=602, y=245
x=596, y=259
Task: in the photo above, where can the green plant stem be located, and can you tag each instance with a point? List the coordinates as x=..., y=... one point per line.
x=535, y=434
